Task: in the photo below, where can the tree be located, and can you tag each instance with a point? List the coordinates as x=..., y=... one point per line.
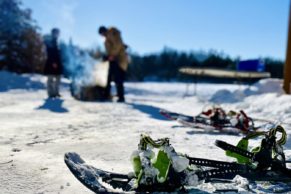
x=21, y=46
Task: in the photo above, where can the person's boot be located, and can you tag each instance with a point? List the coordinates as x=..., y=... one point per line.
x=120, y=93
x=121, y=100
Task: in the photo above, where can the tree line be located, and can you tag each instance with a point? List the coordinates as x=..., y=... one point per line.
x=165, y=64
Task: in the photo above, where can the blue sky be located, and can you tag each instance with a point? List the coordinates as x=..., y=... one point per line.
x=245, y=28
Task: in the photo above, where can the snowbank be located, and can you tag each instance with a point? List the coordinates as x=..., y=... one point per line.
x=261, y=87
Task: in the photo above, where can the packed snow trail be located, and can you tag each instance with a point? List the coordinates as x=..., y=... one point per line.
x=36, y=132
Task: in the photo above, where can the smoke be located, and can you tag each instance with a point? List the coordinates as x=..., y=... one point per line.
x=79, y=67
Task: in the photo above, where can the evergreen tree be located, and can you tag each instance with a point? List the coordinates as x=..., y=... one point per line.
x=21, y=46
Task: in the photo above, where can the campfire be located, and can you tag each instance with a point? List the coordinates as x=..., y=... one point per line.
x=88, y=93
x=88, y=76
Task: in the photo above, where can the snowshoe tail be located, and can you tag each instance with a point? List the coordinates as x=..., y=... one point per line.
x=173, y=115
x=91, y=177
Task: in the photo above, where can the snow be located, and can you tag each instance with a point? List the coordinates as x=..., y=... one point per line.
x=10, y=81
x=261, y=87
x=36, y=132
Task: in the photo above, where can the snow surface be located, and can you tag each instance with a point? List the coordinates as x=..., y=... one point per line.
x=36, y=132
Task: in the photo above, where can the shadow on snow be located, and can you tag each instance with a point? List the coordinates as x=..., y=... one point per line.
x=53, y=105
x=153, y=112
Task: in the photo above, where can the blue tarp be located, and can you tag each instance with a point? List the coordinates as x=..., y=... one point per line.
x=251, y=65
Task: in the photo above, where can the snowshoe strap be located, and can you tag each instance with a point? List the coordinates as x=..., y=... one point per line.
x=214, y=111
x=116, y=180
x=213, y=163
x=264, y=154
x=207, y=113
x=272, y=132
x=228, y=147
x=280, y=129
x=207, y=175
x=246, y=122
x=146, y=140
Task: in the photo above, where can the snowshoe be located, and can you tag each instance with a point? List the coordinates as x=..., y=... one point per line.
x=215, y=119
x=165, y=170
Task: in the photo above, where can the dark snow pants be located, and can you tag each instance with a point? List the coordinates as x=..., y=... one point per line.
x=117, y=75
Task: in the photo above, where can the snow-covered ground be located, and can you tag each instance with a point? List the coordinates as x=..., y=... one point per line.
x=36, y=132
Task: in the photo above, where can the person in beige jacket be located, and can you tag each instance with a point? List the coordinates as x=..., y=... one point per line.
x=117, y=57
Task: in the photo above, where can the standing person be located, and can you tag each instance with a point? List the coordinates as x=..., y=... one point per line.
x=53, y=67
x=116, y=55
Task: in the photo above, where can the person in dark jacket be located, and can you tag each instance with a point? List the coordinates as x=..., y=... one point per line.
x=117, y=57
x=53, y=67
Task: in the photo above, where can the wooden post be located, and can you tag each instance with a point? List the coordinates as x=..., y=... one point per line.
x=287, y=68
